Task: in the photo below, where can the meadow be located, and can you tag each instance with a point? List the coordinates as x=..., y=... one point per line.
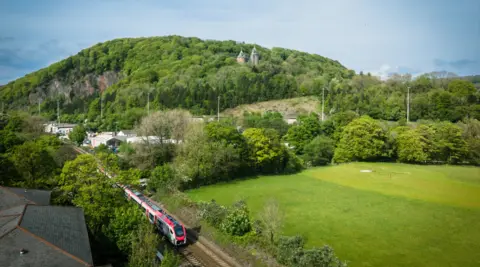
x=395, y=215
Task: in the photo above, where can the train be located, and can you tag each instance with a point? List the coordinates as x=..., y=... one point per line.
x=164, y=223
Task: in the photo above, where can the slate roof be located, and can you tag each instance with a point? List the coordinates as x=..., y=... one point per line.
x=51, y=235
x=40, y=197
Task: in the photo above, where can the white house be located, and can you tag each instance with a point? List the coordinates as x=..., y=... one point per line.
x=62, y=128
x=127, y=133
x=150, y=140
x=107, y=139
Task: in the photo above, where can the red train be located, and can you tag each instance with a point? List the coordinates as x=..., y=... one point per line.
x=166, y=224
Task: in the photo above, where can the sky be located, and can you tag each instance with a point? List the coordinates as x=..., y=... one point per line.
x=377, y=36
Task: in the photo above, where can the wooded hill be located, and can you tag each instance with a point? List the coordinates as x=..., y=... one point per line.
x=191, y=73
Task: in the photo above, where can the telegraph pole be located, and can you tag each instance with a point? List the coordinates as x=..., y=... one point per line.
x=148, y=103
x=58, y=112
x=323, y=102
x=101, y=106
x=39, y=101
x=218, y=109
x=408, y=104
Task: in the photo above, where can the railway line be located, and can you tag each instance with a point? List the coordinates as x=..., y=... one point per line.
x=198, y=252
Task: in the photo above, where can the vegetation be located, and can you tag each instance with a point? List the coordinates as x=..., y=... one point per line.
x=362, y=214
x=178, y=72
x=78, y=134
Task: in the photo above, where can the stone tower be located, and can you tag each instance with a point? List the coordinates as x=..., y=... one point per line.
x=242, y=57
x=254, y=57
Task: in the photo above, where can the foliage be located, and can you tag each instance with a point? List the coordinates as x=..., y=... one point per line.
x=450, y=147
x=212, y=212
x=237, y=222
x=267, y=120
x=289, y=250
x=321, y=257
x=78, y=134
x=144, y=246
x=362, y=139
x=34, y=163
x=170, y=259
x=162, y=178
x=319, y=151
x=264, y=149
x=300, y=135
x=272, y=220
x=122, y=226
x=412, y=147
x=82, y=185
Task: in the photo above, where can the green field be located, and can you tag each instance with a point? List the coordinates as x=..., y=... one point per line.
x=397, y=215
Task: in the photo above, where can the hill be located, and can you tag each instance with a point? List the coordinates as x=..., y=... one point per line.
x=176, y=71
x=190, y=73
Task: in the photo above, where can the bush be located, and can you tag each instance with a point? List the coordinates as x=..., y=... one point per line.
x=237, y=223
x=293, y=163
x=320, y=257
x=212, y=213
x=289, y=250
x=319, y=151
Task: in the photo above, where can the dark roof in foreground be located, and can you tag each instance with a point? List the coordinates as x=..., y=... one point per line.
x=50, y=235
x=40, y=197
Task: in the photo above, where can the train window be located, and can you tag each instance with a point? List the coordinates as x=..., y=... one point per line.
x=150, y=216
x=178, y=230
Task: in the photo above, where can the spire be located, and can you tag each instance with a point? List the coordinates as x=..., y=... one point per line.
x=241, y=54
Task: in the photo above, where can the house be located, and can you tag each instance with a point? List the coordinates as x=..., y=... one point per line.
x=33, y=233
x=56, y=128
x=127, y=133
x=150, y=140
x=108, y=139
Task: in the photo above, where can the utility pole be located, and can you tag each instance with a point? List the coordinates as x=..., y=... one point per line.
x=408, y=104
x=218, y=109
x=58, y=112
x=2, y=109
x=323, y=102
x=101, y=106
x=39, y=101
x=148, y=103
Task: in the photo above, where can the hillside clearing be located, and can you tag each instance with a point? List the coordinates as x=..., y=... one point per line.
x=396, y=215
x=286, y=107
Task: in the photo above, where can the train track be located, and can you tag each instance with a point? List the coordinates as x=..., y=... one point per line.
x=198, y=252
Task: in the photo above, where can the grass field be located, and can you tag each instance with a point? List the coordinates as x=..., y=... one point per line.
x=397, y=215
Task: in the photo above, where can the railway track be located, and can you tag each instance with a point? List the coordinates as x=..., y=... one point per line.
x=198, y=252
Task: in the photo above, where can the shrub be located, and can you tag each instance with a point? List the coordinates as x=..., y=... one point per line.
x=212, y=213
x=320, y=257
x=289, y=250
x=319, y=151
x=237, y=223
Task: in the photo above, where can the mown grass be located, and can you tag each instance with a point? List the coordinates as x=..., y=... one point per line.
x=397, y=215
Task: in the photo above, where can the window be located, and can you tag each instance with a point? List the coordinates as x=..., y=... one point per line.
x=178, y=230
x=150, y=216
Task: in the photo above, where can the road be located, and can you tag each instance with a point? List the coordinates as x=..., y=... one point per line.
x=198, y=251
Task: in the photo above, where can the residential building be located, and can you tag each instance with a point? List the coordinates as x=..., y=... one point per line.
x=62, y=128
x=32, y=233
x=127, y=133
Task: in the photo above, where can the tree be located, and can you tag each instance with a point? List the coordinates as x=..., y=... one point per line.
x=144, y=247
x=362, y=139
x=162, y=178
x=237, y=222
x=265, y=150
x=170, y=259
x=289, y=250
x=272, y=219
x=121, y=228
x=412, y=147
x=34, y=164
x=319, y=151
x=82, y=185
x=78, y=134
x=300, y=135
x=449, y=144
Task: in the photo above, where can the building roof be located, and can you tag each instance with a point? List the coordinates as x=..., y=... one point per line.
x=128, y=132
x=254, y=51
x=40, y=197
x=50, y=235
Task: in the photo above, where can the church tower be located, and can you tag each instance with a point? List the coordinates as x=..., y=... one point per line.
x=242, y=57
x=254, y=57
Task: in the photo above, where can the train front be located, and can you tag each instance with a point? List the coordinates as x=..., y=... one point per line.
x=180, y=235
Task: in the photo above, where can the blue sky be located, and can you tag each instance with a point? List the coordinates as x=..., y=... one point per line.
x=364, y=35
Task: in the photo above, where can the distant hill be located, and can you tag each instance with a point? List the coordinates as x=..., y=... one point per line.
x=175, y=71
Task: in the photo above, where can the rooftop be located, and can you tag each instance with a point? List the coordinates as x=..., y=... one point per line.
x=48, y=235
